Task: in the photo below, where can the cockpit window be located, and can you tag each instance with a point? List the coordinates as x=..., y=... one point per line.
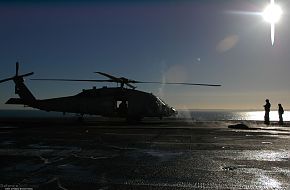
x=160, y=101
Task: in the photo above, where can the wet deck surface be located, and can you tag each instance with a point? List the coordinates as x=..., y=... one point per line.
x=154, y=155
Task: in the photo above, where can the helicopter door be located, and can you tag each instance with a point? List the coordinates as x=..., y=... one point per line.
x=122, y=108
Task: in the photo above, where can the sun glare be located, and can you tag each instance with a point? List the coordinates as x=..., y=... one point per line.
x=272, y=13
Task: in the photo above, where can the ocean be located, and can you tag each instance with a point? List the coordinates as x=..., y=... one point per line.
x=196, y=115
x=224, y=115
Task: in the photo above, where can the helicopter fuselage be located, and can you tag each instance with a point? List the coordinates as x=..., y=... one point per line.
x=108, y=102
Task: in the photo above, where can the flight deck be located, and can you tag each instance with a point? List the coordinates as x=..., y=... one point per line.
x=171, y=154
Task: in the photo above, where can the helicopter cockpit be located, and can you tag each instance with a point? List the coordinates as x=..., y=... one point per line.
x=165, y=110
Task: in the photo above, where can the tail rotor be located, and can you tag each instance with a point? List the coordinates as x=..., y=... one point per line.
x=17, y=68
x=20, y=87
x=17, y=76
x=4, y=80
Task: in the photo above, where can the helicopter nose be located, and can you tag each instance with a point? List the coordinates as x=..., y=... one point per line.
x=172, y=111
x=168, y=111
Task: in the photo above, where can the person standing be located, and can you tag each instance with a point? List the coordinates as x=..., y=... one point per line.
x=267, y=107
x=280, y=112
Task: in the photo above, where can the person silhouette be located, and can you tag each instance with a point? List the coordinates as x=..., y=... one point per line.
x=280, y=112
x=267, y=107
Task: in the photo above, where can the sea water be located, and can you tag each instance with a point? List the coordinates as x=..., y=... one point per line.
x=196, y=115
x=224, y=115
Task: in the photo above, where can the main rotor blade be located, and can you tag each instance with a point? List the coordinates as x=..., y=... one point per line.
x=177, y=83
x=127, y=81
x=121, y=80
x=74, y=80
x=131, y=86
x=109, y=76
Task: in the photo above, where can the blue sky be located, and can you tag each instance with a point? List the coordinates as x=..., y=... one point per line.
x=211, y=41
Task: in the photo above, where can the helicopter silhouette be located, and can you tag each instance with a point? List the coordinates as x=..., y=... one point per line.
x=123, y=101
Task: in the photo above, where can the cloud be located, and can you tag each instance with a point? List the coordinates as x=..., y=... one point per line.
x=227, y=43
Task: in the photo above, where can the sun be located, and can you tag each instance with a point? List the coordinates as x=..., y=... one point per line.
x=272, y=13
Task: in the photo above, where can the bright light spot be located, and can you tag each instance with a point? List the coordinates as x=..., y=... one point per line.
x=255, y=115
x=259, y=115
x=267, y=181
x=272, y=13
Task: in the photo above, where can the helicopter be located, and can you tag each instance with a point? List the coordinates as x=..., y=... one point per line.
x=123, y=101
